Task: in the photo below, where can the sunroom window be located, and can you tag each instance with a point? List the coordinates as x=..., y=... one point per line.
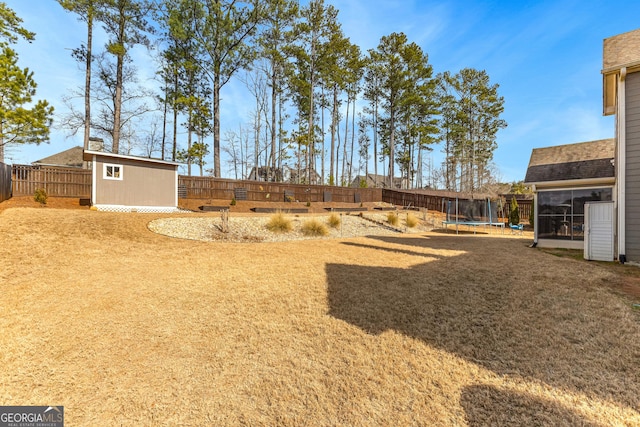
x=561, y=213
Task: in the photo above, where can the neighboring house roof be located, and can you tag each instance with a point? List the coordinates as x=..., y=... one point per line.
x=275, y=174
x=373, y=181
x=593, y=160
x=304, y=174
x=68, y=158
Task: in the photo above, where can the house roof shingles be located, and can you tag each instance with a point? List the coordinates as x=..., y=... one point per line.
x=585, y=160
x=68, y=158
x=621, y=50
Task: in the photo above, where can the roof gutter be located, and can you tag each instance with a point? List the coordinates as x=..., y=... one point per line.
x=88, y=155
x=621, y=164
x=629, y=67
x=609, y=180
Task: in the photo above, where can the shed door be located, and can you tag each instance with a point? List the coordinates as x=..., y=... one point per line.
x=598, y=236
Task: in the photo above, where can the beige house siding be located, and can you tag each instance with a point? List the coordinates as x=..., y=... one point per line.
x=142, y=184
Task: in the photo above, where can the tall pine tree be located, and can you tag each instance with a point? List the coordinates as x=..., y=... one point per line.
x=21, y=121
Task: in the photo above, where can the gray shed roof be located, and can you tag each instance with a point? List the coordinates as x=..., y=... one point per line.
x=581, y=161
x=88, y=156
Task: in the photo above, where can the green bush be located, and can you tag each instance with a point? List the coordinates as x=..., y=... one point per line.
x=279, y=223
x=334, y=220
x=40, y=196
x=411, y=221
x=392, y=218
x=314, y=227
x=514, y=214
x=233, y=201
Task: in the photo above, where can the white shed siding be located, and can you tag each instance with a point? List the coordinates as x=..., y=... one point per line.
x=599, y=223
x=632, y=175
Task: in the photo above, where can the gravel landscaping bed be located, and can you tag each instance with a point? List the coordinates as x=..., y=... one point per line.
x=253, y=229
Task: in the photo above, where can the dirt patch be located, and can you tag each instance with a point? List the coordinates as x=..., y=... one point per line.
x=52, y=203
x=123, y=325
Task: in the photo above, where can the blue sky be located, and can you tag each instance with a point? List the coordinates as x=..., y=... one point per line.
x=546, y=57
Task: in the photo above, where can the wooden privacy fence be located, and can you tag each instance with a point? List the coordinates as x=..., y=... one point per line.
x=24, y=180
x=524, y=208
x=5, y=182
x=57, y=182
x=192, y=187
x=420, y=200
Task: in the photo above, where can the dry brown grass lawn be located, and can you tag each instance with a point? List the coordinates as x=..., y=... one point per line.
x=125, y=327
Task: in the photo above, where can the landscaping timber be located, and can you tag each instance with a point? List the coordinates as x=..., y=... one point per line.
x=274, y=210
x=348, y=209
x=207, y=208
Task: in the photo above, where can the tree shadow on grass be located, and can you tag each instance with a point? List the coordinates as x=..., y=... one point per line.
x=393, y=250
x=485, y=405
x=555, y=323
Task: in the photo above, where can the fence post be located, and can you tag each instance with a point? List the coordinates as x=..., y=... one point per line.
x=5, y=182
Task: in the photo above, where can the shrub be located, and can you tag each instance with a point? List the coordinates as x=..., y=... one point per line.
x=411, y=221
x=40, y=196
x=334, y=220
x=233, y=201
x=514, y=214
x=308, y=204
x=314, y=227
x=279, y=223
x=392, y=218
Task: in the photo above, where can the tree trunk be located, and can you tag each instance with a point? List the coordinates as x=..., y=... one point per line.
x=375, y=142
x=310, y=139
x=323, y=138
x=334, y=115
x=216, y=123
x=189, y=139
x=344, y=145
x=418, y=183
x=391, y=147
x=174, y=153
x=256, y=138
x=164, y=121
x=117, y=107
x=87, y=81
x=281, y=174
x=1, y=144
x=353, y=135
x=272, y=171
